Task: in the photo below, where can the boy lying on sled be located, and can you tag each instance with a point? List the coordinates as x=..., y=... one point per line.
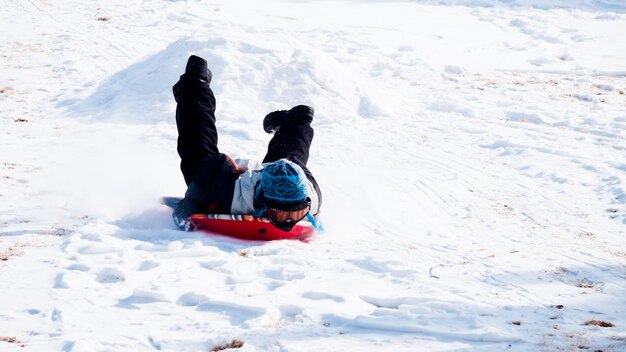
x=281, y=189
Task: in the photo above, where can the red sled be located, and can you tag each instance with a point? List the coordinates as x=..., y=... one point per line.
x=244, y=227
x=250, y=228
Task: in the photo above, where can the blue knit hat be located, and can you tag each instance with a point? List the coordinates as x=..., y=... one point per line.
x=284, y=185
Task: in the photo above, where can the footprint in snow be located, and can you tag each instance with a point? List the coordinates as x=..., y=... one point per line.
x=284, y=274
x=393, y=268
x=140, y=297
x=93, y=237
x=191, y=299
x=78, y=267
x=110, y=275
x=212, y=264
x=290, y=312
x=56, y=315
x=237, y=313
x=59, y=282
x=148, y=265
x=312, y=295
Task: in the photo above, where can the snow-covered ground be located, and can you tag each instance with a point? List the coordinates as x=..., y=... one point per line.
x=472, y=156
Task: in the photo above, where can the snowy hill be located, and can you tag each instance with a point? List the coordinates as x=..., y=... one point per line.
x=472, y=156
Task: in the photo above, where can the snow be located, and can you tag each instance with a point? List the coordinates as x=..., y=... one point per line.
x=471, y=154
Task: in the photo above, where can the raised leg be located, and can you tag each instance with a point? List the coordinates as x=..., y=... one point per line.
x=195, y=117
x=292, y=139
x=293, y=134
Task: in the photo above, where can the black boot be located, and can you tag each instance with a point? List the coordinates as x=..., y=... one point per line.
x=196, y=73
x=301, y=114
x=197, y=67
x=274, y=120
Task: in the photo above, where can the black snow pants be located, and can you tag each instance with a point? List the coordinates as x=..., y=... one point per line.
x=210, y=175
